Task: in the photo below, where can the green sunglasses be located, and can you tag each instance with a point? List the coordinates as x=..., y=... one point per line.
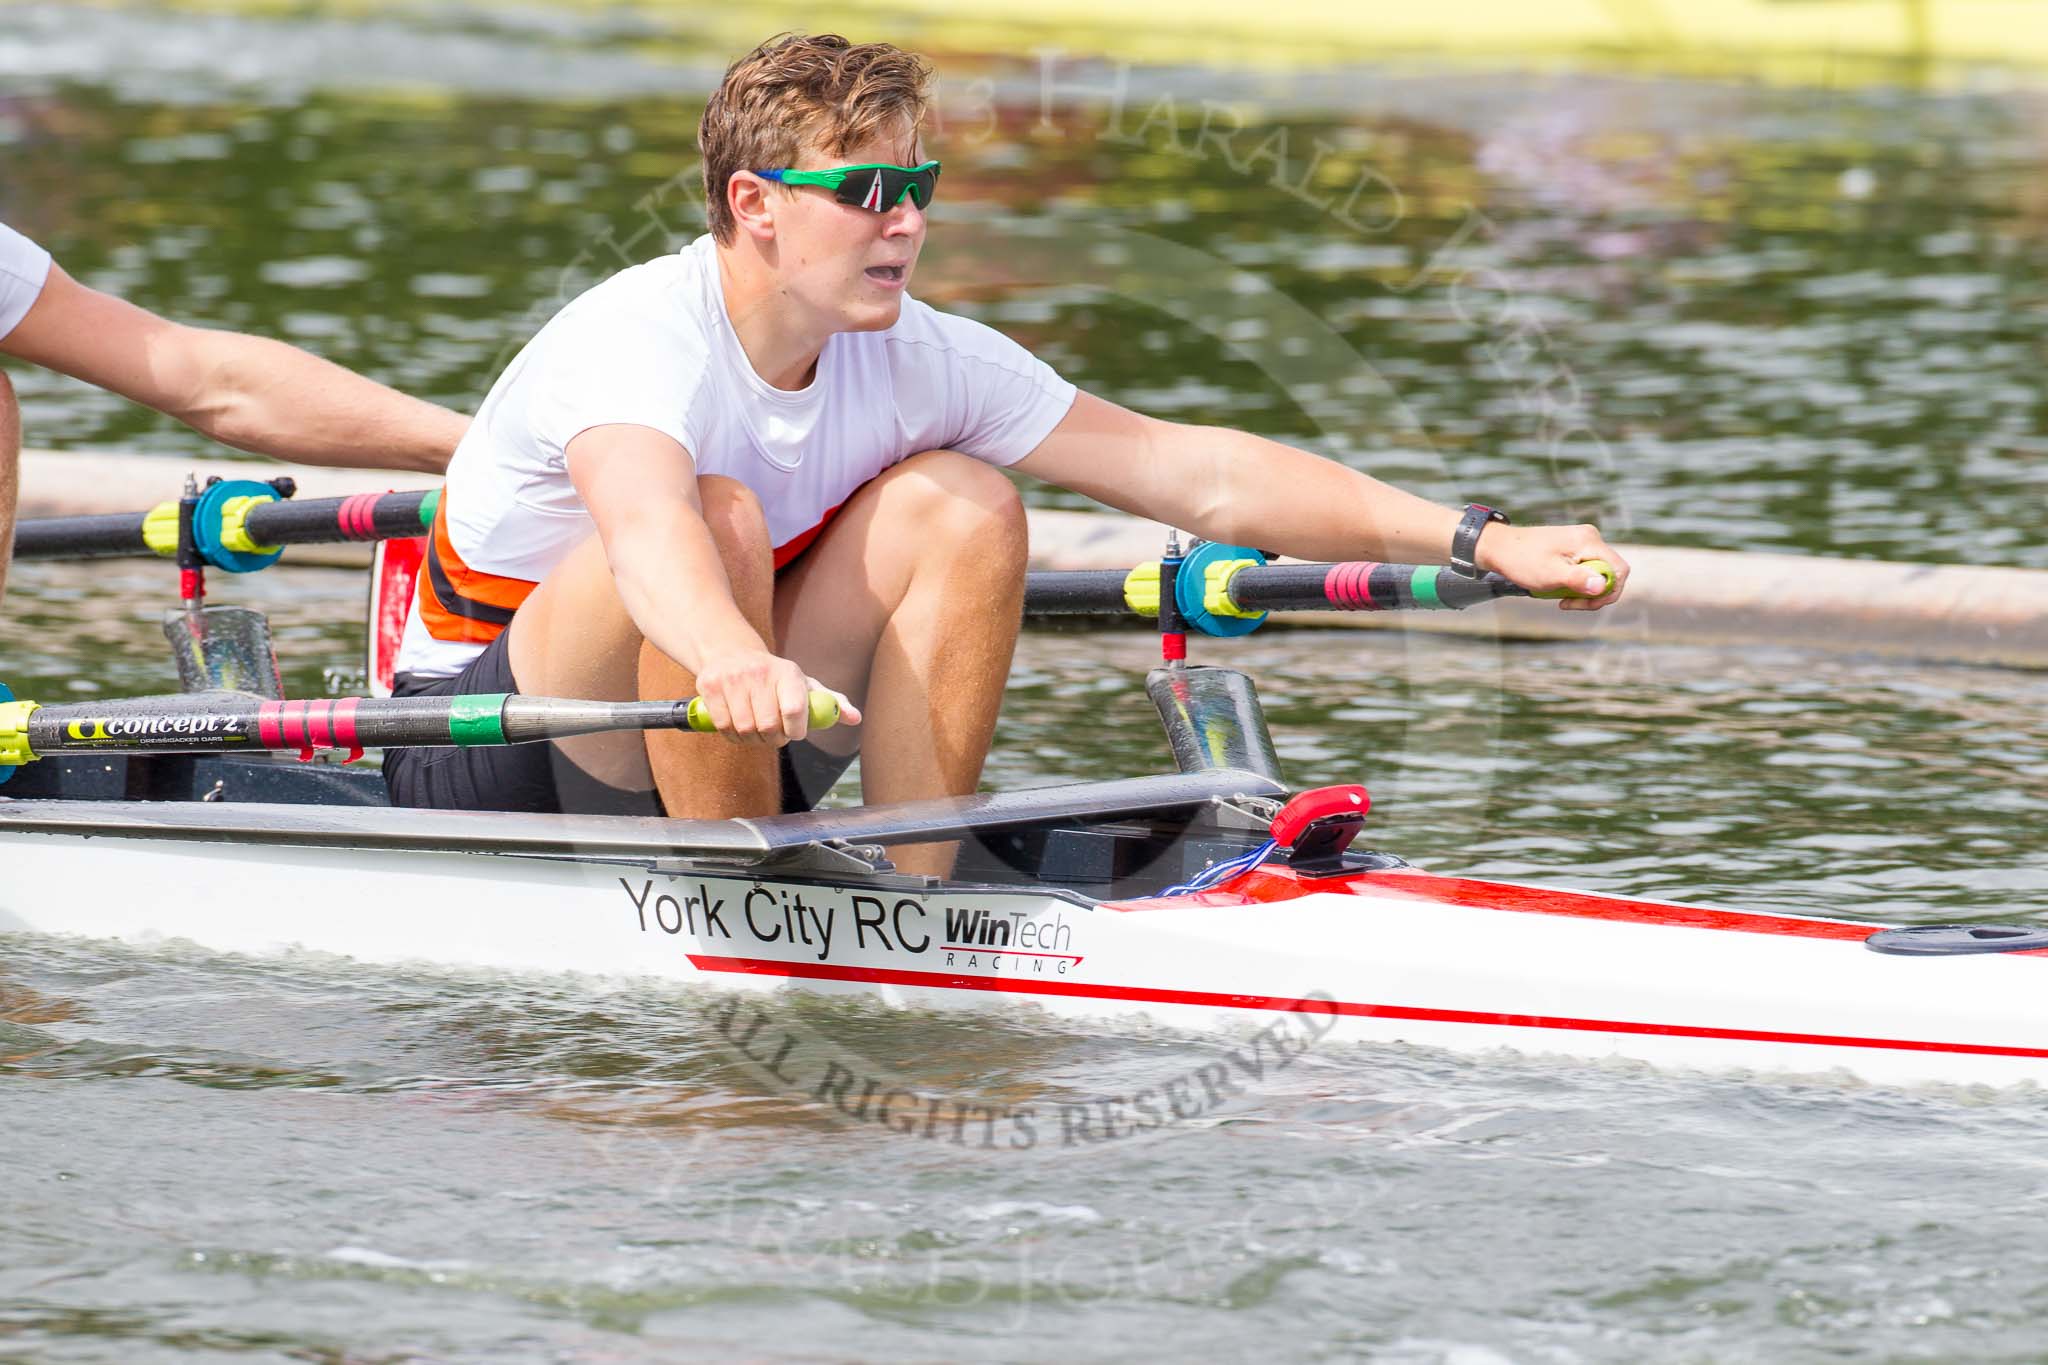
x=877, y=187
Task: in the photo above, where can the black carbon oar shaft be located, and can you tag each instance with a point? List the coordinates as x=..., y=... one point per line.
x=1075, y=592
x=227, y=722
x=315, y=521
x=329, y=521
x=104, y=536
x=1361, y=586
x=1356, y=586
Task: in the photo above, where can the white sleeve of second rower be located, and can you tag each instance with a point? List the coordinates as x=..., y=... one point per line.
x=614, y=367
x=24, y=267
x=965, y=386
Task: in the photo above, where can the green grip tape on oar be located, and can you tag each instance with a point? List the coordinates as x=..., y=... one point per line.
x=477, y=718
x=1422, y=585
x=824, y=713
x=1599, y=566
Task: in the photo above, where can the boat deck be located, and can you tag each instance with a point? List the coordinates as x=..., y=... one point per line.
x=1102, y=840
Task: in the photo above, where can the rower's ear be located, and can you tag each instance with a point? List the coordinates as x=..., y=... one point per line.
x=753, y=202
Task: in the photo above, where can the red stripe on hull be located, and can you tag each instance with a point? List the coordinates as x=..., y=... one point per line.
x=1153, y=995
x=1274, y=885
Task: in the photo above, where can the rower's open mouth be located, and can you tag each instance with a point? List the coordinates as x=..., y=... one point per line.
x=887, y=274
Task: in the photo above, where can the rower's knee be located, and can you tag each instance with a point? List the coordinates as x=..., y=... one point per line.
x=959, y=501
x=739, y=528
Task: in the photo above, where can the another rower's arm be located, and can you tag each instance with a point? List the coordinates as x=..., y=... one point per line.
x=1242, y=489
x=244, y=391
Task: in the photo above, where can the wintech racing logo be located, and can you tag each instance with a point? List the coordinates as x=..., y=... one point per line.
x=979, y=935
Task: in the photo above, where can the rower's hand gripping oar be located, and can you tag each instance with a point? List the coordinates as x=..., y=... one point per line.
x=236, y=722
x=1603, y=575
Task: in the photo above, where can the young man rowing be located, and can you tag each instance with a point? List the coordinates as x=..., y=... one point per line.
x=758, y=466
x=242, y=391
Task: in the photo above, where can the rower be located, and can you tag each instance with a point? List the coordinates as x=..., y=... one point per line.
x=758, y=466
x=242, y=391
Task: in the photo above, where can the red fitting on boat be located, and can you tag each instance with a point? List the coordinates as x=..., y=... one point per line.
x=1173, y=648
x=1317, y=826
x=1319, y=803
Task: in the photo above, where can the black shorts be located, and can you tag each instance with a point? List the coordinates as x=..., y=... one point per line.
x=539, y=778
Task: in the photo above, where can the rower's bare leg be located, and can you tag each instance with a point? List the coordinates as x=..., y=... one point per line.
x=574, y=638
x=909, y=603
x=10, y=472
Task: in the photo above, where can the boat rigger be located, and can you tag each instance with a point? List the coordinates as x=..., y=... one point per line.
x=1211, y=898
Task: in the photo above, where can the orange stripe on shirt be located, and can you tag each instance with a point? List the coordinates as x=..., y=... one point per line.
x=462, y=615
x=459, y=604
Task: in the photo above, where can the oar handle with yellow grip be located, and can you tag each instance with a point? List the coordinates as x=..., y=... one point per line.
x=236, y=722
x=1599, y=566
x=824, y=712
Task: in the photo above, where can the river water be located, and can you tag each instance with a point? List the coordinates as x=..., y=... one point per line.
x=1723, y=315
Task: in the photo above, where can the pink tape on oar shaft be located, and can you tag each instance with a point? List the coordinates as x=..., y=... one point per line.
x=356, y=517
x=1350, y=586
x=308, y=724
x=345, y=724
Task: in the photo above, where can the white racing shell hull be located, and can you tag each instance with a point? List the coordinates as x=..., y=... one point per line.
x=1398, y=957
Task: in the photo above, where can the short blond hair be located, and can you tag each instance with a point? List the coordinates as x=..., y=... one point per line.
x=801, y=90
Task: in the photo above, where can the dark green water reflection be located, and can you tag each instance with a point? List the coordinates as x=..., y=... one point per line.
x=1705, y=314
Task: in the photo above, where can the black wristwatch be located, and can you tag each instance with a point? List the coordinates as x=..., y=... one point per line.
x=1465, y=540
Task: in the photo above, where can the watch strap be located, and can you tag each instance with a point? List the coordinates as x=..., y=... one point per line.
x=1465, y=540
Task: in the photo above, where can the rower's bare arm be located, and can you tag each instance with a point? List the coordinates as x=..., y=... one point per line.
x=1246, y=490
x=244, y=391
x=641, y=488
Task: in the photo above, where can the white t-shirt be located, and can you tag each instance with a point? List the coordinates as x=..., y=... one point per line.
x=652, y=346
x=24, y=267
